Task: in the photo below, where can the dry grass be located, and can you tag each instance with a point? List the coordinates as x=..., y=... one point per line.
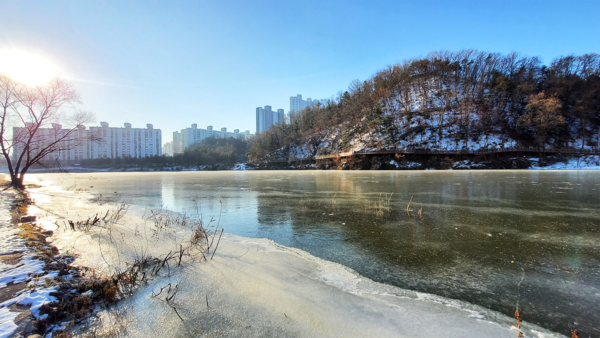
x=383, y=205
x=20, y=206
x=519, y=320
x=61, y=334
x=408, y=209
x=30, y=232
x=36, y=239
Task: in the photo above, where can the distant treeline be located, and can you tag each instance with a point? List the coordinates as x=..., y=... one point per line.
x=464, y=94
x=208, y=152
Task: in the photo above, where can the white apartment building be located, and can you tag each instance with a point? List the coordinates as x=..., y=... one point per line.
x=260, y=120
x=266, y=117
x=73, y=147
x=177, y=143
x=194, y=135
x=97, y=142
x=125, y=142
x=297, y=104
x=167, y=149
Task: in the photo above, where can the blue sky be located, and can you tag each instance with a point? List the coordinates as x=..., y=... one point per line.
x=174, y=63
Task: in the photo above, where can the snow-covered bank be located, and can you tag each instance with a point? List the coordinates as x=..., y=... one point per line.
x=591, y=162
x=577, y=162
x=19, y=264
x=255, y=287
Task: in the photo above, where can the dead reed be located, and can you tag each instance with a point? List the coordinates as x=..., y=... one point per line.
x=519, y=320
x=383, y=204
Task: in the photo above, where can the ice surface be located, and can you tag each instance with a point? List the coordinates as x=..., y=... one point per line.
x=256, y=287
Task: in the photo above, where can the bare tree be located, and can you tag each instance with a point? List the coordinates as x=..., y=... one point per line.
x=29, y=111
x=543, y=114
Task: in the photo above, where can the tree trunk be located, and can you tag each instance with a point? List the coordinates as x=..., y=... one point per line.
x=16, y=181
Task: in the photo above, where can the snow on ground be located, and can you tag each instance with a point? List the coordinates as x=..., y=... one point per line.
x=10, y=243
x=591, y=162
x=406, y=164
x=7, y=322
x=306, y=150
x=241, y=166
x=35, y=299
x=467, y=164
x=20, y=272
x=450, y=139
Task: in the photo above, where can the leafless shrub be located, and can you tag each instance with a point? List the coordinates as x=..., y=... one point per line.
x=169, y=293
x=164, y=219
x=122, y=283
x=107, y=221
x=83, y=225
x=117, y=214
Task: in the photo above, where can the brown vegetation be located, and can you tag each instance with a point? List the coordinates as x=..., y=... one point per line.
x=463, y=95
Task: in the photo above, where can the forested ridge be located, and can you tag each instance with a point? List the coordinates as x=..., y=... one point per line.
x=451, y=101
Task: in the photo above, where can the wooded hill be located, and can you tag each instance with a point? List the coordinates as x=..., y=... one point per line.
x=466, y=100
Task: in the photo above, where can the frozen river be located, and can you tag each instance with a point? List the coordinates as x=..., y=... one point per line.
x=490, y=238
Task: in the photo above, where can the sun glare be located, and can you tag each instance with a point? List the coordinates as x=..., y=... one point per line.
x=26, y=67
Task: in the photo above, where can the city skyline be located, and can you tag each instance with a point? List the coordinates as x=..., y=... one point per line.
x=192, y=135
x=94, y=142
x=138, y=61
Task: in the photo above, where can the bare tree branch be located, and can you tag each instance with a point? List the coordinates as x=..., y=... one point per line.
x=36, y=115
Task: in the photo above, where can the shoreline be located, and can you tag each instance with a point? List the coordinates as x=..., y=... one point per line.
x=32, y=270
x=586, y=162
x=255, y=287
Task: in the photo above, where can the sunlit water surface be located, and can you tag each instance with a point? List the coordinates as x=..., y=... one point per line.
x=492, y=238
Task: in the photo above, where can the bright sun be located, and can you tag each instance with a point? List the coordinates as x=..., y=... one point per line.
x=26, y=67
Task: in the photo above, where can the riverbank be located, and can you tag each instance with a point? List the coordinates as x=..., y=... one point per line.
x=441, y=162
x=33, y=274
x=252, y=287
x=586, y=162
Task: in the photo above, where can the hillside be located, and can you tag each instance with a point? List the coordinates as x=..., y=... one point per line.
x=448, y=102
